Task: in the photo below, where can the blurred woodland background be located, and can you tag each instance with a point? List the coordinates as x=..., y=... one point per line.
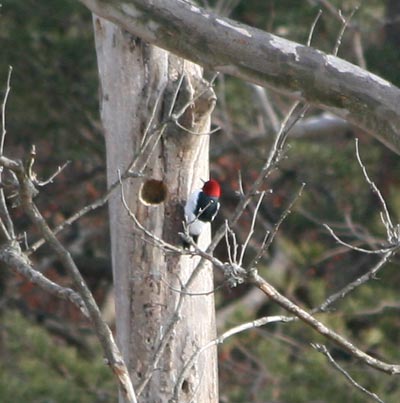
x=47, y=350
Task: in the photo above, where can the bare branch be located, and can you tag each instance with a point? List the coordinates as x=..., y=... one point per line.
x=235, y=274
x=345, y=23
x=263, y=59
x=371, y=274
x=149, y=142
x=153, y=113
x=103, y=332
x=329, y=6
x=251, y=230
x=266, y=106
x=101, y=201
x=191, y=294
x=311, y=33
x=304, y=316
x=13, y=257
x=158, y=241
x=387, y=222
x=3, y=111
x=231, y=249
x=270, y=235
x=274, y=157
x=322, y=349
x=219, y=340
x=216, y=129
x=6, y=223
x=392, y=231
x=358, y=249
x=53, y=176
x=359, y=49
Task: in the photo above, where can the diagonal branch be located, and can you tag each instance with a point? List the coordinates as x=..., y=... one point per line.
x=370, y=274
x=220, y=339
x=304, y=316
x=236, y=274
x=310, y=75
x=103, y=332
x=322, y=349
x=12, y=257
x=6, y=225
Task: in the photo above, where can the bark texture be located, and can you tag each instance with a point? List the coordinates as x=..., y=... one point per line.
x=133, y=75
x=322, y=80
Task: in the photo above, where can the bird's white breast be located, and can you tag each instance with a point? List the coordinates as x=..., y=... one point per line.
x=195, y=226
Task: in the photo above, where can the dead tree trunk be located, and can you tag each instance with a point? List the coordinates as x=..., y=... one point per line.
x=133, y=76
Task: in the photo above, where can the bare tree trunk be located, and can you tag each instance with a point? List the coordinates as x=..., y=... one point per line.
x=133, y=75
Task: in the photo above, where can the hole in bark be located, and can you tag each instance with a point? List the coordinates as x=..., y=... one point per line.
x=185, y=386
x=153, y=192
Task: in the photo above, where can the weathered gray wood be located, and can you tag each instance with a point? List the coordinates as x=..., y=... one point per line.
x=132, y=76
x=325, y=81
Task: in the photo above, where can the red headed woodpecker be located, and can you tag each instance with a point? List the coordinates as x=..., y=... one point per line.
x=201, y=207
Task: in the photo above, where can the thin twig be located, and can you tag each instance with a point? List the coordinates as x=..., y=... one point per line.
x=102, y=331
x=358, y=249
x=307, y=318
x=232, y=249
x=253, y=278
x=311, y=33
x=12, y=256
x=219, y=340
x=358, y=49
x=53, y=176
x=322, y=349
x=3, y=110
x=176, y=116
x=266, y=106
x=169, y=328
x=175, y=96
x=208, y=133
x=191, y=294
x=386, y=220
x=270, y=235
x=6, y=223
x=228, y=244
x=330, y=7
x=251, y=230
x=345, y=23
x=153, y=114
x=239, y=274
x=130, y=172
x=273, y=158
x=353, y=285
x=158, y=241
x=101, y=201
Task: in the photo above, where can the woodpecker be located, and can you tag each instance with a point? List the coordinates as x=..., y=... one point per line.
x=201, y=208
